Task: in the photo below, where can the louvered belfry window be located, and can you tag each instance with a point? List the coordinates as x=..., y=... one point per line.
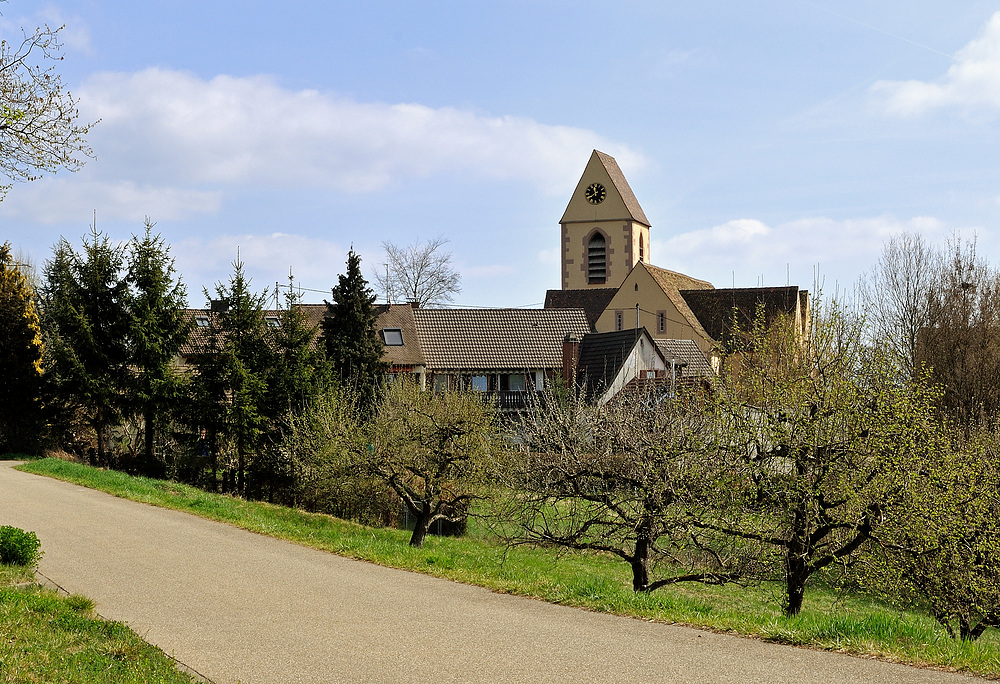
x=597, y=259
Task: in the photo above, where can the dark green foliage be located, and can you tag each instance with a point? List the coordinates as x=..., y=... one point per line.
x=18, y=547
x=300, y=371
x=352, y=344
x=229, y=392
x=87, y=327
x=20, y=358
x=158, y=329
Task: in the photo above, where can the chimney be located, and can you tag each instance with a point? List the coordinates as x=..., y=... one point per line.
x=570, y=358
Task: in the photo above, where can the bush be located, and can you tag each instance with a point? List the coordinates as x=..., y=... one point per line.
x=18, y=547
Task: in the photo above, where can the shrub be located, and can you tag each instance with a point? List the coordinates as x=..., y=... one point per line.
x=18, y=547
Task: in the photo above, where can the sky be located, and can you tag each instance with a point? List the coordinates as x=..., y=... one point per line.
x=769, y=143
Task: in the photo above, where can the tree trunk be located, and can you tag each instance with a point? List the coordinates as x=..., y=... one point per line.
x=640, y=560
x=421, y=525
x=796, y=574
x=147, y=447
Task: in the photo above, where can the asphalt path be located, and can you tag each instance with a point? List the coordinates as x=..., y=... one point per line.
x=241, y=607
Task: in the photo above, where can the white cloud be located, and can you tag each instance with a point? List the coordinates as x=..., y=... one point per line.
x=73, y=30
x=69, y=199
x=314, y=262
x=972, y=83
x=76, y=33
x=749, y=248
x=168, y=127
x=549, y=256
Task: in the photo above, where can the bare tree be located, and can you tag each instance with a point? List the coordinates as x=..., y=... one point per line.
x=896, y=296
x=961, y=342
x=39, y=122
x=420, y=273
x=624, y=478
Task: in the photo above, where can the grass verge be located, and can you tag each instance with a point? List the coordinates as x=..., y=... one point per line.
x=850, y=624
x=45, y=637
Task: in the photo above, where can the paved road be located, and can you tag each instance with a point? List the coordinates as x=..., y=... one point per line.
x=240, y=607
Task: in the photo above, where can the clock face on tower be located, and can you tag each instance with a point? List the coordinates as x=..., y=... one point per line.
x=595, y=193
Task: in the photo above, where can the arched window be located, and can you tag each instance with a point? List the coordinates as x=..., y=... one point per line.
x=597, y=260
x=642, y=252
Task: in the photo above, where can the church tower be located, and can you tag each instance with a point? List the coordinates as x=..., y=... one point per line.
x=604, y=230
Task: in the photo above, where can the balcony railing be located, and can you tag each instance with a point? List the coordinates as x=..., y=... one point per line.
x=513, y=401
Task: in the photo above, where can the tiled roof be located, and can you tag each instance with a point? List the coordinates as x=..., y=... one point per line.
x=672, y=283
x=718, y=309
x=618, y=178
x=593, y=301
x=602, y=356
x=687, y=352
x=199, y=335
x=401, y=316
x=496, y=339
x=678, y=281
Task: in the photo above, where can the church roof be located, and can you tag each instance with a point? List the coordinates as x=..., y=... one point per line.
x=667, y=279
x=618, y=178
x=603, y=165
x=719, y=310
x=593, y=301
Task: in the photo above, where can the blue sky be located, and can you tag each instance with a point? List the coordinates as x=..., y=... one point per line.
x=766, y=141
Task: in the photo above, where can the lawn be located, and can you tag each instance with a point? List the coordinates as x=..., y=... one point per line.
x=46, y=637
x=829, y=620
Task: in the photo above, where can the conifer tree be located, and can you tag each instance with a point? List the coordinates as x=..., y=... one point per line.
x=230, y=390
x=299, y=367
x=159, y=328
x=20, y=358
x=353, y=347
x=87, y=322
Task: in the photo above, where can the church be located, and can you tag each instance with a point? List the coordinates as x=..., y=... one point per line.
x=606, y=270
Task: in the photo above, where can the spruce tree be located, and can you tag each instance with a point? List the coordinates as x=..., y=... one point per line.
x=20, y=358
x=353, y=347
x=230, y=389
x=159, y=328
x=87, y=323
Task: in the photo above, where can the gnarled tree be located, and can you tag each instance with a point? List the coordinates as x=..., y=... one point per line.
x=823, y=440
x=431, y=449
x=625, y=478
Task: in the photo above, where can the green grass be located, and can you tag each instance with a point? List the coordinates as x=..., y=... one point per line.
x=45, y=637
x=829, y=620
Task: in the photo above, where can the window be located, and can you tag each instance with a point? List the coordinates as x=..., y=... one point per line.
x=201, y=321
x=597, y=260
x=618, y=320
x=272, y=321
x=516, y=383
x=642, y=252
x=478, y=383
x=661, y=321
x=440, y=383
x=393, y=337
